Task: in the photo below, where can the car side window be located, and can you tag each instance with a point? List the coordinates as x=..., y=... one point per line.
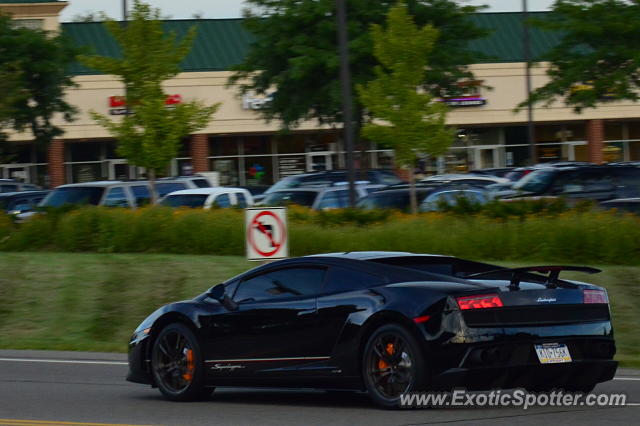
x=222, y=200
x=242, y=200
x=201, y=183
x=340, y=279
x=141, y=195
x=8, y=188
x=116, y=198
x=330, y=200
x=281, y=283
x=163, y=188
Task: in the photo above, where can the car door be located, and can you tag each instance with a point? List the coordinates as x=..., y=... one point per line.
x=273, y=330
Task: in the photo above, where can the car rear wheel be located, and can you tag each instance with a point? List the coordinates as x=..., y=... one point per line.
x=392, y=365
x=177, y=364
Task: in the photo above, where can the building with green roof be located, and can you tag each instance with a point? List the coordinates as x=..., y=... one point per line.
x=238, y=140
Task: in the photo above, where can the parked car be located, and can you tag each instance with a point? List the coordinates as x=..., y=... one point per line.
x=334, y=197
x=497, y=172
x=208, y=197
x=587, y=182
x=631, y=205
x=17, y=203
x=477, y=181
x=328, y=178
x=396, y=197
x=434, y=201
x=388, y=323
x=102, y=193
x=10, y=185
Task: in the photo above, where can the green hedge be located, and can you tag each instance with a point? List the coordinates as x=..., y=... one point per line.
x=552, y=235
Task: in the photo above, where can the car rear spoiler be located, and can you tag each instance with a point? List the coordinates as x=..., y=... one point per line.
x=552, y=278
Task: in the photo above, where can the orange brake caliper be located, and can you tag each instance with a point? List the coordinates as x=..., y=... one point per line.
x=390, y=350
x=189, y=374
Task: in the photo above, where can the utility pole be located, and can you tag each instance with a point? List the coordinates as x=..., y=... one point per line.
x=526, y=39
x=347, y=101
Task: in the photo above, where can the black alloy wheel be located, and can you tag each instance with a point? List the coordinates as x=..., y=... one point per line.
x=392, y=365
x=177, y=364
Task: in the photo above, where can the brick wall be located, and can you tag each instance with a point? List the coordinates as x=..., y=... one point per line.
x=595, y=138
x=199, y=150
x=56, y=163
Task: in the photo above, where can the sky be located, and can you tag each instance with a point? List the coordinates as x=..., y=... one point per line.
x=184, y=9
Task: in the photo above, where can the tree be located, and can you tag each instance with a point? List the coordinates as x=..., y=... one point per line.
x=150, y=134
x=406, y=118
x=597, y=59
x=295, y=53
x=34, y=72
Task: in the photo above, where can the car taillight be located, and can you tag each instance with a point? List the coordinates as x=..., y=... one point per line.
x=594, y=296
x=482, y=301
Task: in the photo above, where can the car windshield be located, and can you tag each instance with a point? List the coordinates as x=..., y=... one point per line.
x=303, y=198
x=185, y=200
x=285, y=183
x=74, y=195
x=536, y=181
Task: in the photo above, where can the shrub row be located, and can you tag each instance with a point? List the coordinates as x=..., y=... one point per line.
x=573, y=236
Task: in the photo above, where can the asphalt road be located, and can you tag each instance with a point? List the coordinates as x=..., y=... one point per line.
x=67, y=388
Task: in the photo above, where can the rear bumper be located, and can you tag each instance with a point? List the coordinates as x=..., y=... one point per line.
x=531, y=376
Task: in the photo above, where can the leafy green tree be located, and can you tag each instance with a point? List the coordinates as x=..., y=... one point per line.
x=34, y=72
x=150, y=135
x=598, y=57
x=406, y=118
x=295, y=53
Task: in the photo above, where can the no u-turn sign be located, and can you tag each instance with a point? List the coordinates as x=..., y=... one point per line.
x=266, y=233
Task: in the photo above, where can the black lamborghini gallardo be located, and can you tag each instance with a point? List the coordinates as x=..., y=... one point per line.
x=383, y=322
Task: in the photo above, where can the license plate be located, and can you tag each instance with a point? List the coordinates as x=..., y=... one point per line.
x=553, y=353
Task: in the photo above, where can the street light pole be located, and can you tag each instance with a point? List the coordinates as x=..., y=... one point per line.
x=526, y=39
x=125, y=12
x=347, y=102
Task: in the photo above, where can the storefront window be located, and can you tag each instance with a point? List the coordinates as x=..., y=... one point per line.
x=548, y=153
x=85, y=172
x=613, y=131
x=220, y=146
x=515, y=135
x=84, y=151
x=290, y=144
x=111, y=149
x=634, y=151
x=258, y=171
x=516, y=156
x=483, y=136
x=257, y=145
x=228, y=169
x=291, y=165
x=633, y=129
x=613, y=151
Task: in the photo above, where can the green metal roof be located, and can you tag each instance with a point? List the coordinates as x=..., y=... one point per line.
x=221, y=43
x=505, y=43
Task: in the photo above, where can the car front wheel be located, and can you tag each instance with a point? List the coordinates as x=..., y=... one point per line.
x=177, y=364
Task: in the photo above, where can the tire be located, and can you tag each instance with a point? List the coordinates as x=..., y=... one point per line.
x=392, y=364
x=177, y=365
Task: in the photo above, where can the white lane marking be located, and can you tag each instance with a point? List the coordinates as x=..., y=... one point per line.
x=631, y=379
x=633, y=404
x=64, y=361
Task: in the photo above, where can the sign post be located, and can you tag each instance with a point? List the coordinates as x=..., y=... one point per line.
x=266, y=235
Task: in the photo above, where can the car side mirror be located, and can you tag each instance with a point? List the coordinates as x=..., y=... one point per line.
x=219, y=293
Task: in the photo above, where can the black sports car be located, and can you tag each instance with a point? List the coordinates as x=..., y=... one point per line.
x=385, y=322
